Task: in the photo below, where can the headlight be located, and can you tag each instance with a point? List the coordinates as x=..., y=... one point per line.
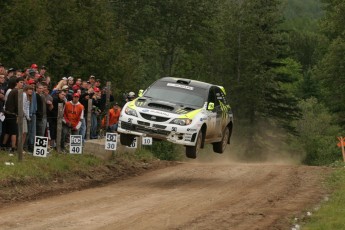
x=131, y=112
x=181, y=121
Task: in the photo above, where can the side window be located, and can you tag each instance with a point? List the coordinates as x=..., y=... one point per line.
x=220, y=96
x=212, y=96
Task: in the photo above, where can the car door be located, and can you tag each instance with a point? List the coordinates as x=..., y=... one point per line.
x=222, y=111
x=219, y=112
x=212, y=115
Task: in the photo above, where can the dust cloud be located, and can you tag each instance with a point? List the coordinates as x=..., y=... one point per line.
x=272, y=146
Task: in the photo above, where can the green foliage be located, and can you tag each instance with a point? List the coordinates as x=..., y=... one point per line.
x=302, y=15
x=332, y=23
x=331, y=74
x=317, y=133
x=166, y=151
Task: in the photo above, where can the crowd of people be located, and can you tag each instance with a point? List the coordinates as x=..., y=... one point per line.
x=41, y=98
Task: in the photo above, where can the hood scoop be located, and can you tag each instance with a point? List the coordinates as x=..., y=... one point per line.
x=160, y=106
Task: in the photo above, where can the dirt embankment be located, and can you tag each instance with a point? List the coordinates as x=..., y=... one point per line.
x=188, y=195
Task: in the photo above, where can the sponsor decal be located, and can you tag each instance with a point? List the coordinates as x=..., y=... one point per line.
x=174, y=129
x=180, y=86
x=145, y=110
x=160, y=113
x=188, y=139
x=191, y=130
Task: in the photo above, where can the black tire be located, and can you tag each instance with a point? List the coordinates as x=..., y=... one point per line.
x=192, y=151
x=219, y=147
x=126, y=139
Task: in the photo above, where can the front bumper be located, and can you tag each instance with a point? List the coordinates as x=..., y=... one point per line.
x=182, y=135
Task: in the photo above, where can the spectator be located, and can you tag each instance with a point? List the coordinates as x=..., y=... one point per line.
x=70, y=82
x=98, y=83
x=48, y=100
x=2, y=100
x=114, y=114
x=73, y=113
x=32, y=113
x=77, y=85
x=11, y=112
x=39, y=110
x=34, y=67
x=10, y=72
x=84, y=100
x=92, y=80
x=43, y=71
x=53, y=115
x=2, y=69
x=27, y=97
x=59, y=87
x=95, y=112
x=131, y=96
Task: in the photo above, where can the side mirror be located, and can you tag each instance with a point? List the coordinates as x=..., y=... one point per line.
x=140, y=94
x=210, y=106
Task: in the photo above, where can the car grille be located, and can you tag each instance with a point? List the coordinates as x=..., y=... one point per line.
x=143, y=123
x=144, y=129
x=154, y=118
x=159, y=126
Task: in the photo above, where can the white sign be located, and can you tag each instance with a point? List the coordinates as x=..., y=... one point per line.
x=76, y=144
x=40, y=147
x=147, y=141
x=134, y=144
x=110, y=141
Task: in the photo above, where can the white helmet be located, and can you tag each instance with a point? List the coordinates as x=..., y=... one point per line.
x=131, y=94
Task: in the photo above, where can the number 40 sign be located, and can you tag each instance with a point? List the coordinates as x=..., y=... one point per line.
x=76, y=144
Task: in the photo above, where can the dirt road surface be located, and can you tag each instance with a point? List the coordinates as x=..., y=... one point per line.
x=186, y=196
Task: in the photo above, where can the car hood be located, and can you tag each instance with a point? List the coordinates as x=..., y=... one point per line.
x=163, y=106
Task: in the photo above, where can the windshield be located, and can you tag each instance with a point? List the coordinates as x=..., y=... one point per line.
x=177, y=93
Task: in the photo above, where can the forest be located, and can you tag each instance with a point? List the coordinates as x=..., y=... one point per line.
x=281, y=61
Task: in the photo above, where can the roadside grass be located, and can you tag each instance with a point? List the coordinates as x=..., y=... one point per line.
x=43, y=170
x=331, y=214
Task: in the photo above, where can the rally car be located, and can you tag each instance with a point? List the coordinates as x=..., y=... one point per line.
x=182, y=111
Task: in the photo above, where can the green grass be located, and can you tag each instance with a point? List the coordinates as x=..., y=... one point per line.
x=44, y=169
x=331, y=215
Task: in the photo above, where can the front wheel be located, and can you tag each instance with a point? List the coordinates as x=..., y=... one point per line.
x=126, y=139
x=191, y=151
x=219, y=147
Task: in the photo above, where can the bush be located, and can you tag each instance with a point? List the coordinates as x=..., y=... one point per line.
x=165, y=151
x=317, y=133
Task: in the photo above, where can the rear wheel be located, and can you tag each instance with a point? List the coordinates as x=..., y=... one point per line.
x=191, y=151
x=219, y=147
x=126, y=139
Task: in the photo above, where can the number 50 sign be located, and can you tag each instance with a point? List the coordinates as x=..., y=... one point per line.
x=41, y=145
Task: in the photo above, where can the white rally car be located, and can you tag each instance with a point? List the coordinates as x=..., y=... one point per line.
x=182, y=111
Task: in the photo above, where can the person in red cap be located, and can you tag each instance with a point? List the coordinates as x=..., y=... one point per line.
x=34, y=66
x=72, y=116
x=30, y=81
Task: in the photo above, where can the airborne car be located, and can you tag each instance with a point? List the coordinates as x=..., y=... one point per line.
x=182, y=111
